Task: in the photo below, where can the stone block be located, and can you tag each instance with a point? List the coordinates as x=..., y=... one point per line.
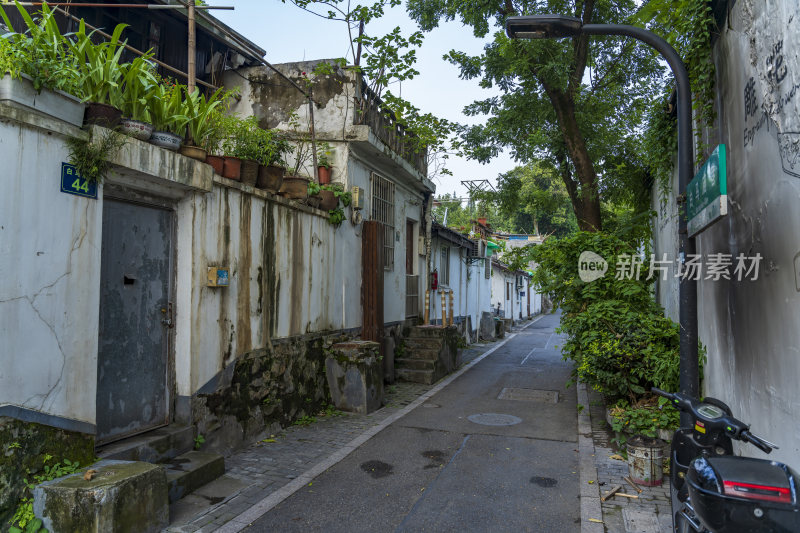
x=122, y=497
x=499, y=328
x=487, y=326
x=355, y=376
x=507, y=323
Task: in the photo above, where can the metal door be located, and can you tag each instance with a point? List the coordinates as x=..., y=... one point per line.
x=135, y=314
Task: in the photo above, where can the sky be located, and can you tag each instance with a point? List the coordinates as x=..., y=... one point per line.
x=288, y=34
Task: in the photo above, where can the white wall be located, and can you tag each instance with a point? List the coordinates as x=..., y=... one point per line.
x=750, y=327
x=50, y=272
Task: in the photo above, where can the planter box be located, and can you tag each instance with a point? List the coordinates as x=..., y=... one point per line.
x=56, y=104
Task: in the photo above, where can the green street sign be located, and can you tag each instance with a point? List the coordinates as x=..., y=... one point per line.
x=707, y=193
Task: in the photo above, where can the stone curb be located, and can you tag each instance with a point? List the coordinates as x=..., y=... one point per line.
x=590, y=491
x=238, y=523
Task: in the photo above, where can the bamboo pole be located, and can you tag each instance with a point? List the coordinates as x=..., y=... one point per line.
x=427, y=307
x=450, y=310
x=191, y=69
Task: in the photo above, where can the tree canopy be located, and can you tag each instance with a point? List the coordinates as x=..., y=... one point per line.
x=575, y=104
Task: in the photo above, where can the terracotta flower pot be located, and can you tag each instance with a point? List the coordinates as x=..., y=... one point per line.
x=104, y=115
x=195, y=152
x=249, y=173
x=324, y=175
x=216, y=162
x=328, y=200
x=270, y=177
x=294, y=187
x=136, y=129
x=165, y=139
x=232, y=168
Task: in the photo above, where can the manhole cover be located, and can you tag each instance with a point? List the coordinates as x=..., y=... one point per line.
x=494, y=419
x=529, y=395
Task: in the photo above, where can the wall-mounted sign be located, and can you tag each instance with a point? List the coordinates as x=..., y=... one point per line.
x=707, y=193
x=218, y=277
x=73, y=183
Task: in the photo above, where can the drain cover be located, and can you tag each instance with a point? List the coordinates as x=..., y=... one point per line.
x=528, y=395
x=494, y=419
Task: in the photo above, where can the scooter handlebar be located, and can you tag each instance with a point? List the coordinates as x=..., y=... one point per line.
x=756, y=441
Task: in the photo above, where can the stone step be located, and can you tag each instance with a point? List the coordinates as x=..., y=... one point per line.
x=420, y=332
x=156, y=446
x=415, y=364
x=417, y=376
x=428, y=355
x=192, y=470
x=425, y=343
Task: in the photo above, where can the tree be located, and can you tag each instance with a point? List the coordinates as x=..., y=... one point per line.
x=535, y=199
x=573, y=103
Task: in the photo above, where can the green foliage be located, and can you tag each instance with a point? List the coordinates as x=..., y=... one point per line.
x=620, y=340
x=198, y=111
x=345, y=197
x=560, y=101
x=305, y=420
x=245, y=139
x=688, y=26
x=643, y=418
x=313, y=188
x=336, y=216
x=40, y=52
x=165, y=103
x=24, y=519
x=93, y=157
x=100, y=71
x=140, y=79
x=324, y=153
x=199, y=440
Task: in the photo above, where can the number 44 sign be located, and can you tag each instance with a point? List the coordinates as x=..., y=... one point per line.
x=73, y=183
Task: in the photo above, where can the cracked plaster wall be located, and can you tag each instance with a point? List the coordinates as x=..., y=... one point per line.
x=50, y=267
x=750, y=327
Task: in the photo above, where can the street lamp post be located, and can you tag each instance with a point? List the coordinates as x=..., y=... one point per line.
x=560, y=26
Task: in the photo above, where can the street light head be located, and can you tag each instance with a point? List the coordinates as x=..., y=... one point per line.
x=543, y=27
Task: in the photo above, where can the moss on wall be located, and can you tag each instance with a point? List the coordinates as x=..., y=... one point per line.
x=23, y=446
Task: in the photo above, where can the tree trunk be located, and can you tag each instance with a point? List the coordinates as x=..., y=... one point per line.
x=586, y=201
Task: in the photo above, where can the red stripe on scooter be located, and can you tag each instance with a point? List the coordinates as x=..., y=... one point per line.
x=750, y=491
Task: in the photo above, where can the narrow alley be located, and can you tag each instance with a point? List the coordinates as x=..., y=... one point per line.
x=495, y=449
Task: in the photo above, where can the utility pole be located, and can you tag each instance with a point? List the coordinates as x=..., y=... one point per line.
x=191, y=69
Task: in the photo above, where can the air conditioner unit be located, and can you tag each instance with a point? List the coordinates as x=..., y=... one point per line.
x=478, y=249
x=521, y=282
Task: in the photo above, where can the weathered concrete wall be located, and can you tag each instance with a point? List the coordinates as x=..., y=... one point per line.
x=50, y=271
x=750, y=327
x=508, y=306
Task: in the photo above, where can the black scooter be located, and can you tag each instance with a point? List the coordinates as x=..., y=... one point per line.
x=714, y=491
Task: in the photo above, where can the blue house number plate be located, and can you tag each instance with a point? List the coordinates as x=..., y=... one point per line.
x=73, y=183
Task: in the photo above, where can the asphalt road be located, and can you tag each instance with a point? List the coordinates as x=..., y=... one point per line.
x=437, y=470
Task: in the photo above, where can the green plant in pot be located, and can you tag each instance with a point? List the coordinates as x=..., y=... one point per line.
x=252, y=146
x=329, y=196
x=41, y=52
x=295, y=186
x=165, y=104
x=221, y=128
x=272, y=167
x=139, y=81
x=313, y=194
x=100, y=75
x=324, y=157
x=198, y=111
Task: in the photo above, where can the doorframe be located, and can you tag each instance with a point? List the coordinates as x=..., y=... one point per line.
x=123, y=194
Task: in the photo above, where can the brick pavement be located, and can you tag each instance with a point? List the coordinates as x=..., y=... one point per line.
x=650, y=513
x=262, y=468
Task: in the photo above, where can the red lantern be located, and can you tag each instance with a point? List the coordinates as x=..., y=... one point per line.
x=434, y=280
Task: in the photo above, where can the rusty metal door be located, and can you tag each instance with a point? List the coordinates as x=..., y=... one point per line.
x=135, y=314
x=372, y=281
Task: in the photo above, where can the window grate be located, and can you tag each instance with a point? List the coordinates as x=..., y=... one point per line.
x=444, y=267
x=383, y=212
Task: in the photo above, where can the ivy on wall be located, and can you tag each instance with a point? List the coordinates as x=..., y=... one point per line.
x=688, y=25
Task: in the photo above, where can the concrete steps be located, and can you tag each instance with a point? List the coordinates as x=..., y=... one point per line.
x=170, y=446
x=190, y=471
x=156, y=446
x=416, y=364
x=417, y=376
x=422, y=343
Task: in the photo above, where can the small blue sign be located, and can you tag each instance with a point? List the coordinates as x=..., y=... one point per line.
x=73, y=183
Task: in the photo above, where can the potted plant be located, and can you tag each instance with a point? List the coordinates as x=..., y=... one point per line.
x=166, y=111
x=221, y=127
x=250, y=145
x=139, y=80
x=36, y=60
x=100, y=75
x=324, y=163
x=273, y=167
x=328, y=196
x=198, y=111
x=312, y=194
x=232, y=165
x=295, y=186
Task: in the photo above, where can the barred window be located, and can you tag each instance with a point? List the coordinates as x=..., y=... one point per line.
x=383, y=212
x=444, y=266
x=487, y=268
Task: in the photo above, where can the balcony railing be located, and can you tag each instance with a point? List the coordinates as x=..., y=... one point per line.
x=373, y=113
x=412, y=296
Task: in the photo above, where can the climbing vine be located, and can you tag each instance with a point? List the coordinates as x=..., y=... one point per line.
x=688, y=26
